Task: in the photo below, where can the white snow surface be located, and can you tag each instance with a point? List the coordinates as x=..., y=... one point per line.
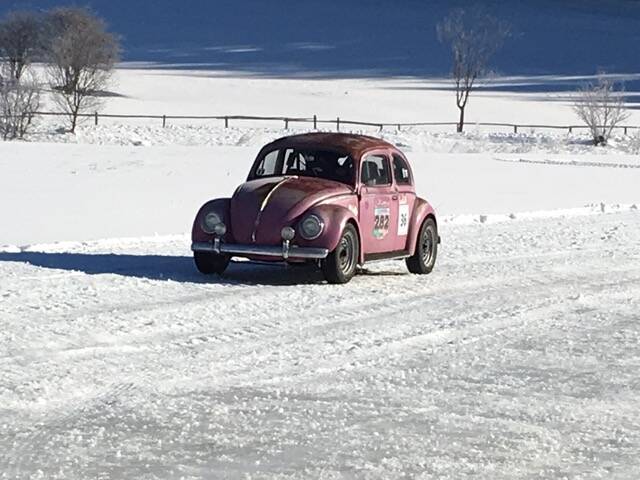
x=476, y=140
x=518, y=357
x=56, y=192
x=384, y=100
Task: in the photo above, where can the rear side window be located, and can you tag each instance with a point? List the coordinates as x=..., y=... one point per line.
x=269, y=164
x=401, y=171
x=375, y=171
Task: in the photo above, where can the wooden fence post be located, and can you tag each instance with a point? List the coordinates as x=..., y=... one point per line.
x=381, y=127
x=570, y=129
x=286, y=124
x=96, y=118
x=338, y=124
x=164, y=121
x=625, y=130
x=515, y=129
x=226, y=122
x=315, y=122
x=399, y=127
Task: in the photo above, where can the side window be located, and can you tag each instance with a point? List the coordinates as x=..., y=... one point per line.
x=401, y=171
x=268, y=164
x=375, y=171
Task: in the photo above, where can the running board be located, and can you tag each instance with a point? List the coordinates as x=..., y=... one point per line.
x=380, y=257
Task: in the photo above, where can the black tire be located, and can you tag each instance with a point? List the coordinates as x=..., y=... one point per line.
x=424, y=258
x=210, y=263
x=340, y=265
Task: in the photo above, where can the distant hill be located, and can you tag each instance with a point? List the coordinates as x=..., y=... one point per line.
x=364, y=37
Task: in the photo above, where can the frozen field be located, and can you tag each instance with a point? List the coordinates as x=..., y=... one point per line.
x=58, y=192
x=517, y=358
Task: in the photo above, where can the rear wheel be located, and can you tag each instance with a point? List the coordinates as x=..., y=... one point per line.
x=210, y=263
x=424, y=258
x=340, y=265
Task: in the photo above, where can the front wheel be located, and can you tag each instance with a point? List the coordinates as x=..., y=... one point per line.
x=210, y=263
x=340, y=265
x=424, y=258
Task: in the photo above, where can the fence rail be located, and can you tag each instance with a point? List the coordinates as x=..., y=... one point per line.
x=338, y=122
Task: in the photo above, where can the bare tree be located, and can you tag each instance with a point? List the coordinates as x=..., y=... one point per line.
x=81, y=60
x=19, y=100
x=473, y=36
x=601, y=108
x=21, y=41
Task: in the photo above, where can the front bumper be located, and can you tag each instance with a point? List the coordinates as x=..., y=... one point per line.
x=284, y=251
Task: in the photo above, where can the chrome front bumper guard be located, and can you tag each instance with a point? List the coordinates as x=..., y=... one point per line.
x=285, y=251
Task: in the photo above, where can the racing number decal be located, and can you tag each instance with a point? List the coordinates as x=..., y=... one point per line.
x=403, y=220
x=381, y=223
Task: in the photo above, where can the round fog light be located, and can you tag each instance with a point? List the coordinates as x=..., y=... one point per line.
x=220, y=229
x=210, y=221
x=288, y=233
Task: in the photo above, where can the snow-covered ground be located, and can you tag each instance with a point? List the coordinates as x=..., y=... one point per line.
x=54, y=192
x=387, y=100
x=518, y=356
x=476, y=139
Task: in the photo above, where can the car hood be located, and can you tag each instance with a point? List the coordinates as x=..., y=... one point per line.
x=260, y=208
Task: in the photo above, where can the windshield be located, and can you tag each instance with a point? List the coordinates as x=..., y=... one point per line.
x=318, y=163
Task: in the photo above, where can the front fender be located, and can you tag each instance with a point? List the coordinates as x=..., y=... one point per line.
x=421, y=210
x=335, y=218
x=220, y=205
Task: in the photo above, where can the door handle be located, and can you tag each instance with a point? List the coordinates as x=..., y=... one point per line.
x=395, y=197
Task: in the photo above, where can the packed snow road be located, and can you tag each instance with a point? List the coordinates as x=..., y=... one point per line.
x=518, y=357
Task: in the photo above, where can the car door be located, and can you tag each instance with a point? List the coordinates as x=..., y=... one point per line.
x=378, y=212
x=405, y=198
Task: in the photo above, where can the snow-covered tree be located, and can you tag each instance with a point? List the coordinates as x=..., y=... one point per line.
x=21, y=41
x=601, y=107
x=81, y=58
x=19, y=100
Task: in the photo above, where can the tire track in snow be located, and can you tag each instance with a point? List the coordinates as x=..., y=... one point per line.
x=388, y=342
x=293, y=327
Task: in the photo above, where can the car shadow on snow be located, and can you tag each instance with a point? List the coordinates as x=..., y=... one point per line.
x=174, y=268
x=168, y=268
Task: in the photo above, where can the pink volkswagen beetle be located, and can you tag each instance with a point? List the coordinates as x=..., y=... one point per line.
x=337, y=200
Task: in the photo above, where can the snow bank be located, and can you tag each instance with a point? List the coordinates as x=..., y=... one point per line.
x=148, y=242
x=475, y=140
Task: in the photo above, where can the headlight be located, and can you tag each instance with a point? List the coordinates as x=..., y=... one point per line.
x=311, y=227
x=210, y=221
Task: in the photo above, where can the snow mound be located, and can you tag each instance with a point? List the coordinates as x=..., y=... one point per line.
x=415, y=138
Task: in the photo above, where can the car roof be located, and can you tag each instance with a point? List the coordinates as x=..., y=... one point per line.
x=351, y=144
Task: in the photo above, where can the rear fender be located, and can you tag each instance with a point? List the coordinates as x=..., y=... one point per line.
x=222, y=207
x=421, y=210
